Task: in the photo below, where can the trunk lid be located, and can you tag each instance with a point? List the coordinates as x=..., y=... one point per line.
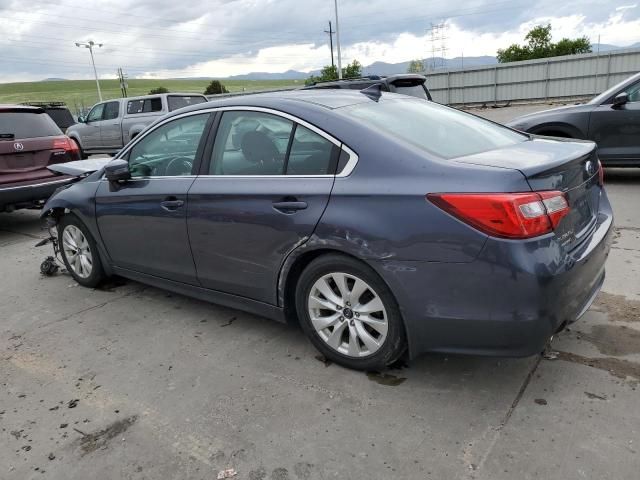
x=568, y=166
x=27, y=159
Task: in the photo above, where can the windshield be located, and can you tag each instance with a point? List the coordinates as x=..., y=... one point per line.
x=176, y=102
x=618, y=86
x=444, y=131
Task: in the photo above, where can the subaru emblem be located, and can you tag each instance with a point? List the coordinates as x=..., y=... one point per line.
x=18, y=146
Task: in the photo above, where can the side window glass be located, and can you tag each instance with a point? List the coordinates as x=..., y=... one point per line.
x=96, y=113
x=311, y=154
x=250, y=143
x=152, y=105
x=111, y=110
x=634, y=93
x=135, y=106
x=169, y=150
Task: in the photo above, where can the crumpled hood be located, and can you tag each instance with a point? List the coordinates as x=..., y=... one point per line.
x=80, y=167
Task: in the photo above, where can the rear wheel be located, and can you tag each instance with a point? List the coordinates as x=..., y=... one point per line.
x=79, y=252
x=349, y=313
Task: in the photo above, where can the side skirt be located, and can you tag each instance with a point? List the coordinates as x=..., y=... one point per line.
x=205, y=294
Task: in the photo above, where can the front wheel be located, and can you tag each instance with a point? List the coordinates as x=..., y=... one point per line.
x=349, y=313
x=79, y=252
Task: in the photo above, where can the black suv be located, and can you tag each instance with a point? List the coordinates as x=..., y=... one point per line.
x=407, y=84
x=58, y=112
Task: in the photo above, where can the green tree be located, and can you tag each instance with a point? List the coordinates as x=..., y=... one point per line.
x=539, y=45
x=416, y=66
x=155, y=91
x=215, y=87
x=330, y=72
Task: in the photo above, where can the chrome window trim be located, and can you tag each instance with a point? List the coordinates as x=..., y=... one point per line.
x=346, y=171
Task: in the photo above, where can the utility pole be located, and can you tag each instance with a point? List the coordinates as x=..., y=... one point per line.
x=331, y=32
x=90, y=44
x=338, y=41
x=123, y=83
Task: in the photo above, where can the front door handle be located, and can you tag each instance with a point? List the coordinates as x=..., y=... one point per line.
x=171, y=203
x=289, y=207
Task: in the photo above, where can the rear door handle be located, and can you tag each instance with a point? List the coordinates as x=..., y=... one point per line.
x=171, y=203
x=289, y=207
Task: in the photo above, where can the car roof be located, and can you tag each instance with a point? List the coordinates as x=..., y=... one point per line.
x=20, y=108
x=315, y=99
x=156, y=95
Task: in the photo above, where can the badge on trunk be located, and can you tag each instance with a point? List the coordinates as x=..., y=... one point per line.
x=18, y=146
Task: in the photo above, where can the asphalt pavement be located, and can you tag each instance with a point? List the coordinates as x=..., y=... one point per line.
x=128, y=381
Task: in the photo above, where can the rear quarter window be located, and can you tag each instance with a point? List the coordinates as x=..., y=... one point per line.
x=28, y=125
x=443, y=131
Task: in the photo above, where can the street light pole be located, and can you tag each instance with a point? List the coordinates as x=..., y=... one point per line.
x=90, y=44
x=338, y=41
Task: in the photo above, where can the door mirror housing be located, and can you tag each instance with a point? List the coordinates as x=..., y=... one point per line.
x=81, y=119
x=117, y=170
x=621, y=99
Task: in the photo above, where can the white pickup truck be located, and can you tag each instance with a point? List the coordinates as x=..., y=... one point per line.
x=111, y=124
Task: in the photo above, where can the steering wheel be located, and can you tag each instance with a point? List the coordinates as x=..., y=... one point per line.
x=178, y=166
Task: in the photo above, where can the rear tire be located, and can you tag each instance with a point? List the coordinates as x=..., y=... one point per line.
x=349, y=313
x=79, y=252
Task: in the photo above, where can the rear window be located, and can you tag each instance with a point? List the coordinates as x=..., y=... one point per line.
x=144, y=106
x=444, y=131
x=179, y=101
x=27, y=125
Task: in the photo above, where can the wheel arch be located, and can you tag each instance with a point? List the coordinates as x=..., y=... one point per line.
x=295, y=264
x=558, y=129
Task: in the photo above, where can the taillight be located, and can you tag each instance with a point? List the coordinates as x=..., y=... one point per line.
x=506, y=215
x=600, y=174
x=66, y=144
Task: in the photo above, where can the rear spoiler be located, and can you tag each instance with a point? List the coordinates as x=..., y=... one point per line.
x=80, y=167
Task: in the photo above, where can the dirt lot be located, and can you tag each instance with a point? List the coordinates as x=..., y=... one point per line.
x=128, y=381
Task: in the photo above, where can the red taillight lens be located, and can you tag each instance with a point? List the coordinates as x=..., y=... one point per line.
x=506, y=215
x=66, y=144
x=600, y=174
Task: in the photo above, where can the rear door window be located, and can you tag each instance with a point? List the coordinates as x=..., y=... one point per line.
x=145, y=105
x=178, y=101
x=18, y=125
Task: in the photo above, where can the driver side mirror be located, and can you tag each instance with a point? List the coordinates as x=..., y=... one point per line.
x=621, y=99
x=117, y=170
x=82, y=119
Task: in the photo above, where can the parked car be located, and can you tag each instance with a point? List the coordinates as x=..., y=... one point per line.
x=58, y=112
x=407, y=84
x=612, y=119
x=380, y=223
x=110, y=125
x=29, y=142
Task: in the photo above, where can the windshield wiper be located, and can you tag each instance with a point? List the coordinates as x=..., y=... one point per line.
x=7, y=136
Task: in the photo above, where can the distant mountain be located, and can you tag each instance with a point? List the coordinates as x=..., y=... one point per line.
x=288, y=75
x=54, y=79
x=383, y=68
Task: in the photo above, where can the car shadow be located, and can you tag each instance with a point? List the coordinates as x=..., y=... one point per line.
x=621, y=175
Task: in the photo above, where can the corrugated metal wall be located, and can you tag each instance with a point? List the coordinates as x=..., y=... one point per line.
x=546, y=78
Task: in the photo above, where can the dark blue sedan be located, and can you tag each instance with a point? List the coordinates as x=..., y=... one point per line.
x=381, y=223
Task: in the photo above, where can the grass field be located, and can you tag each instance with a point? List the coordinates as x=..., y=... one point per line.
x=81, y=94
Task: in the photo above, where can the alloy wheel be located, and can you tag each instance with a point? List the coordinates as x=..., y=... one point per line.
x=77, y=251
x=348, y=314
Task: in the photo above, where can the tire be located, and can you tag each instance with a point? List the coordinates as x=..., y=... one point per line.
x=336, y=326
x=84, y=266
x=83, y=155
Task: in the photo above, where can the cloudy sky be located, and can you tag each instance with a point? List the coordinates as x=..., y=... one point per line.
x=192, y=38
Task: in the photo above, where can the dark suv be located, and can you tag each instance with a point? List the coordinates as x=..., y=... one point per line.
x=29, y=142
x=406, y=84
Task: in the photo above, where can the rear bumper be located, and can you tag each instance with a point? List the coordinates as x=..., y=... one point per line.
x=20, y=195
x=508, y=302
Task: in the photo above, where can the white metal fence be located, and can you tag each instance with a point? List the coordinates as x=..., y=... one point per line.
x=548, y=78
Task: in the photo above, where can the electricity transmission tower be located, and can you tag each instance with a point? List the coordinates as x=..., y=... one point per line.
x=437, y=40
